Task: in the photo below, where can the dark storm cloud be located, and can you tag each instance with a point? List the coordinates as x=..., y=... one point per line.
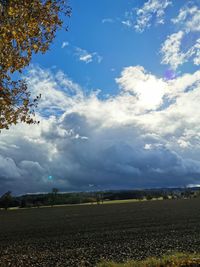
x=107, y=143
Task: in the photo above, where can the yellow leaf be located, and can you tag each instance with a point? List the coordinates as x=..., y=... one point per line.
x=35, y=47
x=10, y=11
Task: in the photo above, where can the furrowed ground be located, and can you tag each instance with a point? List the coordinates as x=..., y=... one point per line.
x=86, y=235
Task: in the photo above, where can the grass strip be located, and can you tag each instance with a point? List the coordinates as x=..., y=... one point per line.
x=177, y=259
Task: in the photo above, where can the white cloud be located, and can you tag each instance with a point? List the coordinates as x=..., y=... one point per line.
x=183, y=46
x=171, y=50
x=127, y=23
x=188, y=19
x=64, y=44
x=123, y=141
x=148, y=146
x=179, y=47
x=83, y=55
x=173, y=55
x=151, y=9
x=107, y=20
x=87, y=57
x=54, y=98
x=195, y=52
x=146, y=88
x=142, y=18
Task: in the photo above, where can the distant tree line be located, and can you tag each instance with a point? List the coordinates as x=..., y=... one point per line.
x=7, y=200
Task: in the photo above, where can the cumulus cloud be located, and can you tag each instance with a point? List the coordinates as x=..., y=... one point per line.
x=85, y=56
x=125, y=141
x=146, y=88
x=54, y=90
x=8, y=168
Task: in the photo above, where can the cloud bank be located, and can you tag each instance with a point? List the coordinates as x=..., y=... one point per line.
x=146, y=136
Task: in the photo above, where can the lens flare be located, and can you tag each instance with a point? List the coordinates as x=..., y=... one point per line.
x=169, y=74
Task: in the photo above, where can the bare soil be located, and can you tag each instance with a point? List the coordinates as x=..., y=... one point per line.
x=84, y=235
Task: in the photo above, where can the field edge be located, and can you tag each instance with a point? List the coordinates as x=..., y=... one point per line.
x=176, y=259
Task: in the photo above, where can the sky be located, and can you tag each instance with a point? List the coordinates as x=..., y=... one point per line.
x=120, y=102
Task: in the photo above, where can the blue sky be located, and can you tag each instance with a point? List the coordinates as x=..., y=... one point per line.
x=97, y=27
x=120, y=101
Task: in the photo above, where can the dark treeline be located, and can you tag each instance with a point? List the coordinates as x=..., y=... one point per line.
x=7, y=200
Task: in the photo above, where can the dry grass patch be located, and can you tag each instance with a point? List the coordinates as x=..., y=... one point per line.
x=175, y=260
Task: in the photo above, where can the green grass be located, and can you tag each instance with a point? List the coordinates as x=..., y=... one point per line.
x=176, y=260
